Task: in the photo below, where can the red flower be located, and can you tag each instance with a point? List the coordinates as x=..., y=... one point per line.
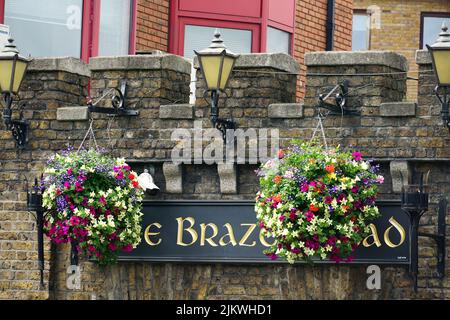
x=135, y=184
x=313, y=208
x=131, y=176
x=329, y=168
x=277, y=179
x=280, y=154
x=127, y=248
x=357, y=155
x=276, y=198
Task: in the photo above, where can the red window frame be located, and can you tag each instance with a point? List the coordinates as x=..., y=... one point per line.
x=183, y=21
x=90, y=28
x=258, y=25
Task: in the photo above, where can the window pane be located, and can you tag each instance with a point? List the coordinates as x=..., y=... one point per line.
x=360, y=34
x=198, y=38
x=278, y=41
x=431, y=29
x=115, y=21
x=45, y=28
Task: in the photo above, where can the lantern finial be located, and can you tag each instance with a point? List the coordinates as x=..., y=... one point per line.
x=10, y=47
x=444, y=36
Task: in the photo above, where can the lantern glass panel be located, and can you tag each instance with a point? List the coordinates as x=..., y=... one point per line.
x=227, y=67
x=211, y=70
x=442, y=66
x=6, y=67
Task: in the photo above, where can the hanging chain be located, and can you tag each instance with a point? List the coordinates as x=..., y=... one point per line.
x=91, y=135
x=319, y=126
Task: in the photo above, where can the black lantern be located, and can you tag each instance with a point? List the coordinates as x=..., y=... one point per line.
x=216, y=64
x=415, y=198
x=440, y=56
x=13, y=67
x=34, y=204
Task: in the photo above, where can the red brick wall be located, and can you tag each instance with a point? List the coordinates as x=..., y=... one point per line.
x=310, y=30
x=152, y=30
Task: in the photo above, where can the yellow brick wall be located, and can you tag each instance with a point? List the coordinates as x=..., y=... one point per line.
x=400, y=28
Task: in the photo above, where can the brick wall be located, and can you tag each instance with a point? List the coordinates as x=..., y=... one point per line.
x=260, y=100
x=310, y=31
x=152, y=30
x=400, y=29
x=49, y=85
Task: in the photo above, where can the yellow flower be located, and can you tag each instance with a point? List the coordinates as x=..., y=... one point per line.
x=332, y=176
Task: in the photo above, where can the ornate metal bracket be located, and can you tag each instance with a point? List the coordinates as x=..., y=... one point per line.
x=118, y=102
x=220, y=124
x=415, y=197
x=340, y=100
x=445, y=102
x=18, y=127
x=440, y=238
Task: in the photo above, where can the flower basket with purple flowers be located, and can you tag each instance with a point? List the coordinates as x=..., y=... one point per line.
x=316, y=202
x=92, y=200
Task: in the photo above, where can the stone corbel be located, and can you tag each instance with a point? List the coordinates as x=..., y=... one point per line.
x=228, y=178
x=399, y=170
x=174, y=178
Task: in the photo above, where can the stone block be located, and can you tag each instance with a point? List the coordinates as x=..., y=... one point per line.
x=173, y=176
x=285, y=110
x=72, y=113
x=400, y=173
x=176, y=111
x=398, y=109
x=228, y=178
x=344, y=58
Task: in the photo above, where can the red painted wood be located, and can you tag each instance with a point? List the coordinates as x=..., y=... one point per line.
x=86, y=30
x=282, y=11
x=183, y=21
x=264, y=21
x=246, y=8
x=133, y=27
x=173, y=27
x=95, y=28
x=2, y=11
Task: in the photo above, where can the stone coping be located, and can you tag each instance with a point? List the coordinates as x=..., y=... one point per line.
x=278, y=61
x=423, y=57
x=67, y=64
x=341, y=58
x=141, y=62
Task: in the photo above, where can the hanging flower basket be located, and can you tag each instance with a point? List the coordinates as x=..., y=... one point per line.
x=94, y=201
x=316, y=202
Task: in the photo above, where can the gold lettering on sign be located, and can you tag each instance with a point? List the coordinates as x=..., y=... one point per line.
x=203, y=227
x=230, y=235
x=251, y=227
x=400, y=230
x=148, y=234
x=189, y=229
x=374, y=235
x=262, y=239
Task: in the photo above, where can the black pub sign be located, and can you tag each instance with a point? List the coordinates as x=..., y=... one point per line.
x=227, y=231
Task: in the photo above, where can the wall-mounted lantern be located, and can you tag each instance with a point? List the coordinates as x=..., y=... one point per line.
x=440, y=57
x=216, y=64
x=13, y=67
x=415, y=197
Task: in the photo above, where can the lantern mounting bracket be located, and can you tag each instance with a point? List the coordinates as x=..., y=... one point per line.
x=444, y=99
x=18, y=127
x=220, y=124
x=118, y=102
x=340, y=101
